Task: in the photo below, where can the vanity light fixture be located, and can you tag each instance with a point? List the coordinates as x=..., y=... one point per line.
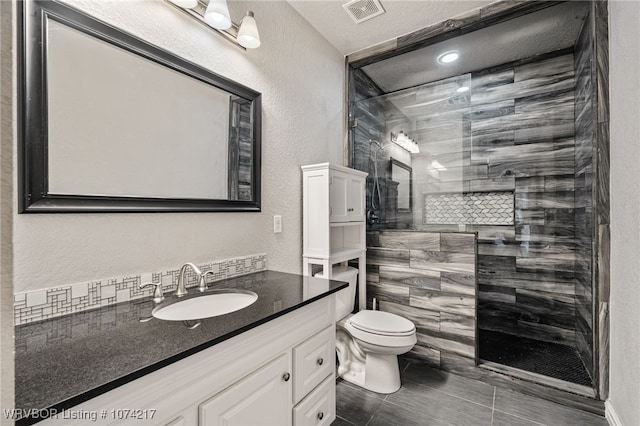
x=248, y=32
x=215, y=14
x=187, y=4
x=404, y=141
x=448, y=57
x=438, y=166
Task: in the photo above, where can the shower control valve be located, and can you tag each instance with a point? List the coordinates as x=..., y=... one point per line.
x=372, y=217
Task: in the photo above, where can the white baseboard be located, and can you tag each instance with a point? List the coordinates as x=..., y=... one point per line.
x=610, y=414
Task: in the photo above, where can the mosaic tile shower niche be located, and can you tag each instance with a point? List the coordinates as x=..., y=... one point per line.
x=472, y=208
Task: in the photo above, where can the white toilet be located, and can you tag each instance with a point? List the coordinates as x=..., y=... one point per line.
x=368, y=343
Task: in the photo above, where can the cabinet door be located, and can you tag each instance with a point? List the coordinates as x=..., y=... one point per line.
x=355, y=199
x=262, y=398
x=338, y=193
x=346, y=197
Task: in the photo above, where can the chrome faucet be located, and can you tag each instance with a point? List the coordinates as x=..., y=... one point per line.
x=202, y=283
x=182, y=289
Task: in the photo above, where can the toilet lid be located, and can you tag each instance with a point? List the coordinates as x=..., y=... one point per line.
x=381, y=323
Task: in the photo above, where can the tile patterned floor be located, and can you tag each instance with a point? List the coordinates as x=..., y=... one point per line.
x=435, y=398
x=549, y=359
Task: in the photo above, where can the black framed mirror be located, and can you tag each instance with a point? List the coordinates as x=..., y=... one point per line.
x=401, y=173
x=110, y=123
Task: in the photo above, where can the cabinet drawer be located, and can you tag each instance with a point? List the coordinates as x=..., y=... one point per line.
x=319, y=407
x=313, y=360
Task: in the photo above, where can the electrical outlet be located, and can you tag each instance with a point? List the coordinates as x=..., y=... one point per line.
x=277, y=224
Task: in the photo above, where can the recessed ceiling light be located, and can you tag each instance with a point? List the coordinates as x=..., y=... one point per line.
x=448, y=57
x=462, y=89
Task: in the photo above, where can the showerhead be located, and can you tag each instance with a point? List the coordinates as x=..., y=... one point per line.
x=378, y=144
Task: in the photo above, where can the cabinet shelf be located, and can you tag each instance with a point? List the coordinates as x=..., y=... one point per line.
x=337, y=256
x=334, y=228
x=341, y=224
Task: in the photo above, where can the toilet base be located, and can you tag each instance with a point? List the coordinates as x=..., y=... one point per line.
x=382, y=373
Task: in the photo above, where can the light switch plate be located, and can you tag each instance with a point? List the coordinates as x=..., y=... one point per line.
x=277, y=224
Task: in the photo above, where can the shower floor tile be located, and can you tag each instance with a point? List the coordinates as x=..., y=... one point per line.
x=546, y=358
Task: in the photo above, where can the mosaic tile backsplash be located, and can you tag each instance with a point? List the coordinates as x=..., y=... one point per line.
x=54, y=302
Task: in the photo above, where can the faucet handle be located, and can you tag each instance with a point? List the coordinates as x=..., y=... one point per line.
x=157, y=292
x=203, y=282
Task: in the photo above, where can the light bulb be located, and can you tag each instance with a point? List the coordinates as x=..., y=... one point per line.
x=448, y=57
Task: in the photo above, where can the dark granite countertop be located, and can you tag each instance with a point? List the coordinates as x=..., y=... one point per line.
x=68, y=360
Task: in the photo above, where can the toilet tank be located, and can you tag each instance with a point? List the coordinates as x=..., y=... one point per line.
x=345, y=298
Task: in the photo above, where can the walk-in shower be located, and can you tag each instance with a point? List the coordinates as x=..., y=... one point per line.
x=498, y=174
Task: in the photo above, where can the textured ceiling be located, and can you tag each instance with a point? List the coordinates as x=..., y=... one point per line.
x=540, y=32
x=401, y=17
x=544, y=31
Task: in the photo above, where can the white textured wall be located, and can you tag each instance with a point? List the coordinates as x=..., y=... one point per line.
x=301, y=78
x=625, y=210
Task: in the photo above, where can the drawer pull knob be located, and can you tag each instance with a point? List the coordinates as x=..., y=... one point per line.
x=320, y=361
x=320, y=415
x=286, y=377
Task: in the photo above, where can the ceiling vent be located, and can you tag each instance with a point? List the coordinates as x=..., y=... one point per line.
x=363, y=10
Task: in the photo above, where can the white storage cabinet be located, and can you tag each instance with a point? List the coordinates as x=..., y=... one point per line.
x=334, y=228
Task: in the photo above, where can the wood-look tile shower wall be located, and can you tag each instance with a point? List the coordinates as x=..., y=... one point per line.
x=526, y=272
x=519, y=137
x=368, y=127
x=429, y=278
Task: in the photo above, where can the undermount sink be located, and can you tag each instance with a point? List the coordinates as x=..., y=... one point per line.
x=210, y=304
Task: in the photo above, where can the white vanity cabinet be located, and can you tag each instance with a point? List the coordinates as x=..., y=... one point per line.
x=279, y=373
x=333, y=219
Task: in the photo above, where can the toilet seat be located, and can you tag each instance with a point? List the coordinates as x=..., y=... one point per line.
x=381, y=329
x=382, y=323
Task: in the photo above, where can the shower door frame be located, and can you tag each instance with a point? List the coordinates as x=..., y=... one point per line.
x=492, y=14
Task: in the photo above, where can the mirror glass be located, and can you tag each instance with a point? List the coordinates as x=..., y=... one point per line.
x=120, y=125
x=401, y=173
